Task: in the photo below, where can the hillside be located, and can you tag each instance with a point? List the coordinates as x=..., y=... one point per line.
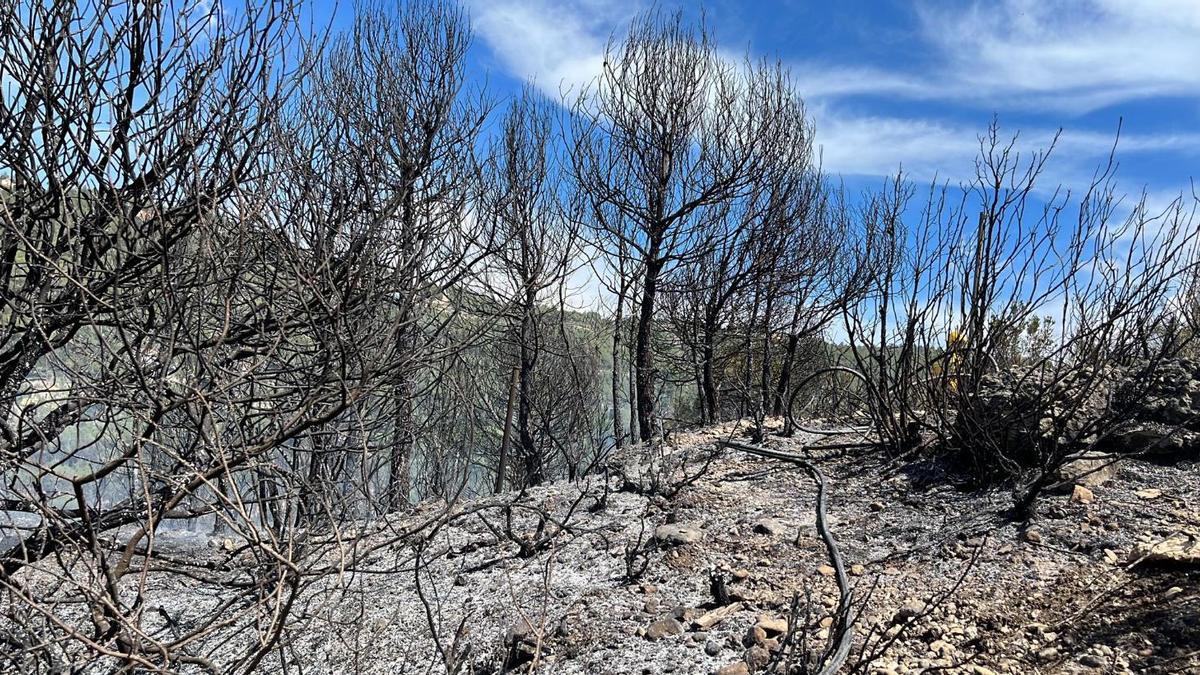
x=942, y=580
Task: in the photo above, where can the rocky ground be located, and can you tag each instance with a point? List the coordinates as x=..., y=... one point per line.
x=721, y=570
x=1103, y=580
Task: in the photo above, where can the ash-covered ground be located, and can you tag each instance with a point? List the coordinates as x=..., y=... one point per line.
x=577, y=578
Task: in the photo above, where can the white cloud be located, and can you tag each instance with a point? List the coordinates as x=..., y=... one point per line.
x=557, y=45
x=1075, y=56
x=1006, y=55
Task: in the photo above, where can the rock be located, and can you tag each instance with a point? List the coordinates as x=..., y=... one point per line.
x=769, y=526
x=1177, y=550
x=773, y=625
x=1172, y=592
x=941, y=648
x=740, y=574
x=826, y=571
x=1033, y=536
x=712, y=647
x=1047, y=654
x=518, y=632
x=1149, y=493
x=826, y=622
x=980, y=670
x=754, y=635
x=1082, y=495
x=1091, y=661
x=663, y=628
x=716, y=616
x=739, y=668
x=678, y=534
x=650, y=606
x=876, y=506
x=908, y=611
x=857, y=570
x=1089, y=471
x=684, y=613
x=757, y=657
x=1111, y=556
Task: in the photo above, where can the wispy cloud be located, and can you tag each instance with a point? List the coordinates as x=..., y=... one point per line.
x=557, y=45
x=1076, y=56
x=1008, y=56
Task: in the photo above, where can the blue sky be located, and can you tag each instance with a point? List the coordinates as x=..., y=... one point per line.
x=893, y=82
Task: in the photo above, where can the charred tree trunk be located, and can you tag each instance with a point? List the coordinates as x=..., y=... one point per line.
x=644, y=350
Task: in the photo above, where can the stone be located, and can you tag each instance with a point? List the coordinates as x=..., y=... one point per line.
x=772, y=625
x=1149, y=493
x=908, y=611
x=664, y=628
x=826, y=622
x=1177, y=550
x=876, y=506
x=1082, y=495
x=980, y=670
x=1089, y=471
x=1033, y=536
x=739, y=668
x=941, y=648
x=1047, y=654
x=826, y=571
x=712, y=647
x=1091, y=661
x=518, y=632
x=685, y=613
x=757, y=657
x=754, y=635
x=769, y=526
x=1172, y=592
x=857, y=570
x=678, y=534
